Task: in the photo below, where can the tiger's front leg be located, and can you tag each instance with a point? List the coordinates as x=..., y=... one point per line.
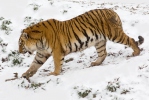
x=58, y=56
x=38, y=61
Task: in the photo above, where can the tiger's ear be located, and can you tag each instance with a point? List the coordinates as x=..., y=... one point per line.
x=25, y=31
x=24, y=36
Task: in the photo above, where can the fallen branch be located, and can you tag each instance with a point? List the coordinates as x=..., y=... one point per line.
x=10, y=79
x=16, y=77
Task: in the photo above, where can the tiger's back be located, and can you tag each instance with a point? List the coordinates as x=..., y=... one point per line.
x=59, y=38
x=90, y=28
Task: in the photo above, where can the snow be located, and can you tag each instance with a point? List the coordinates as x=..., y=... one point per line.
x=127, y=77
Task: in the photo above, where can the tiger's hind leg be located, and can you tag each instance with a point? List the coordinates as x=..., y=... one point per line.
x=134, y=46
x=126, y=40
x=102, y=53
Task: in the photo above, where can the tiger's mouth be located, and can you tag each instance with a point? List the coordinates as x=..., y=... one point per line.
x=27, y=51
x=24, y=51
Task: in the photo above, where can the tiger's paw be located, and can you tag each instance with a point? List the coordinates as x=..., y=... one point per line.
x=136, y=53
x=28, y=74
x=95, y=64
x=54, y=73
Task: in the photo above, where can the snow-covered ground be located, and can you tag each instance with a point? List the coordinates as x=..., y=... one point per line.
x=120, y=77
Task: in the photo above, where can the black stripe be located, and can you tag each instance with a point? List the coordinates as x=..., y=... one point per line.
x=51, y=26
x=54, y=38
x=67, y=29
x=69, y=35
x=81, y=43
x=102, y=18
x=93, y=19
x=82, y=23
x=96, y=36
x=76, y=25
x=120, y=39
x=40, y=55
x=36, y=31
x=108, y=13
x=90, y=17
x=63, y=28
x=54, y=22
x=115, y=36
x=47, y=44
x=101, y=21
x=101, y=55
x=93, y=12
x=91, y=39
x=128, y=41
x=47, y=56
x=62, y=59
x=76, y=46
x=123, y=40
x=37, y=25
x=87, y=37
x=38, y=61
x=41, y=40
x=102, y=13
x=100, y=51
x=44, y=25
x=87, y=20
x=31, y=27
x=84, y=31
x=109, y=35
x=92, y=31
x=103, y=34
x=83, y=18
x=100, y=46
x=69, y=45
x=77, y=37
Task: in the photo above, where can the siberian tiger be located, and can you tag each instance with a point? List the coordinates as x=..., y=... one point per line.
x=59, y=38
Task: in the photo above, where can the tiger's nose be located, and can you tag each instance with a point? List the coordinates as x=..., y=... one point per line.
x=21, y=51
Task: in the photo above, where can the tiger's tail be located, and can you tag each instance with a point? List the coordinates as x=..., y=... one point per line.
x=135, y=45
x=140, y=41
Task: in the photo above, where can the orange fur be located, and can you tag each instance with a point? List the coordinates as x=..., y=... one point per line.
x=59, y=38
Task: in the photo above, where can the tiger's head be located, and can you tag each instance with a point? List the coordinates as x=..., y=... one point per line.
x=28, y=40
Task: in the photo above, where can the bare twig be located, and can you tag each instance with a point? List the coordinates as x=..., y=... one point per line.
x=16, y=77
x=10, y=79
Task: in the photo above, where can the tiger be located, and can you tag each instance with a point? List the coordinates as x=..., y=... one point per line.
x=59, y=38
